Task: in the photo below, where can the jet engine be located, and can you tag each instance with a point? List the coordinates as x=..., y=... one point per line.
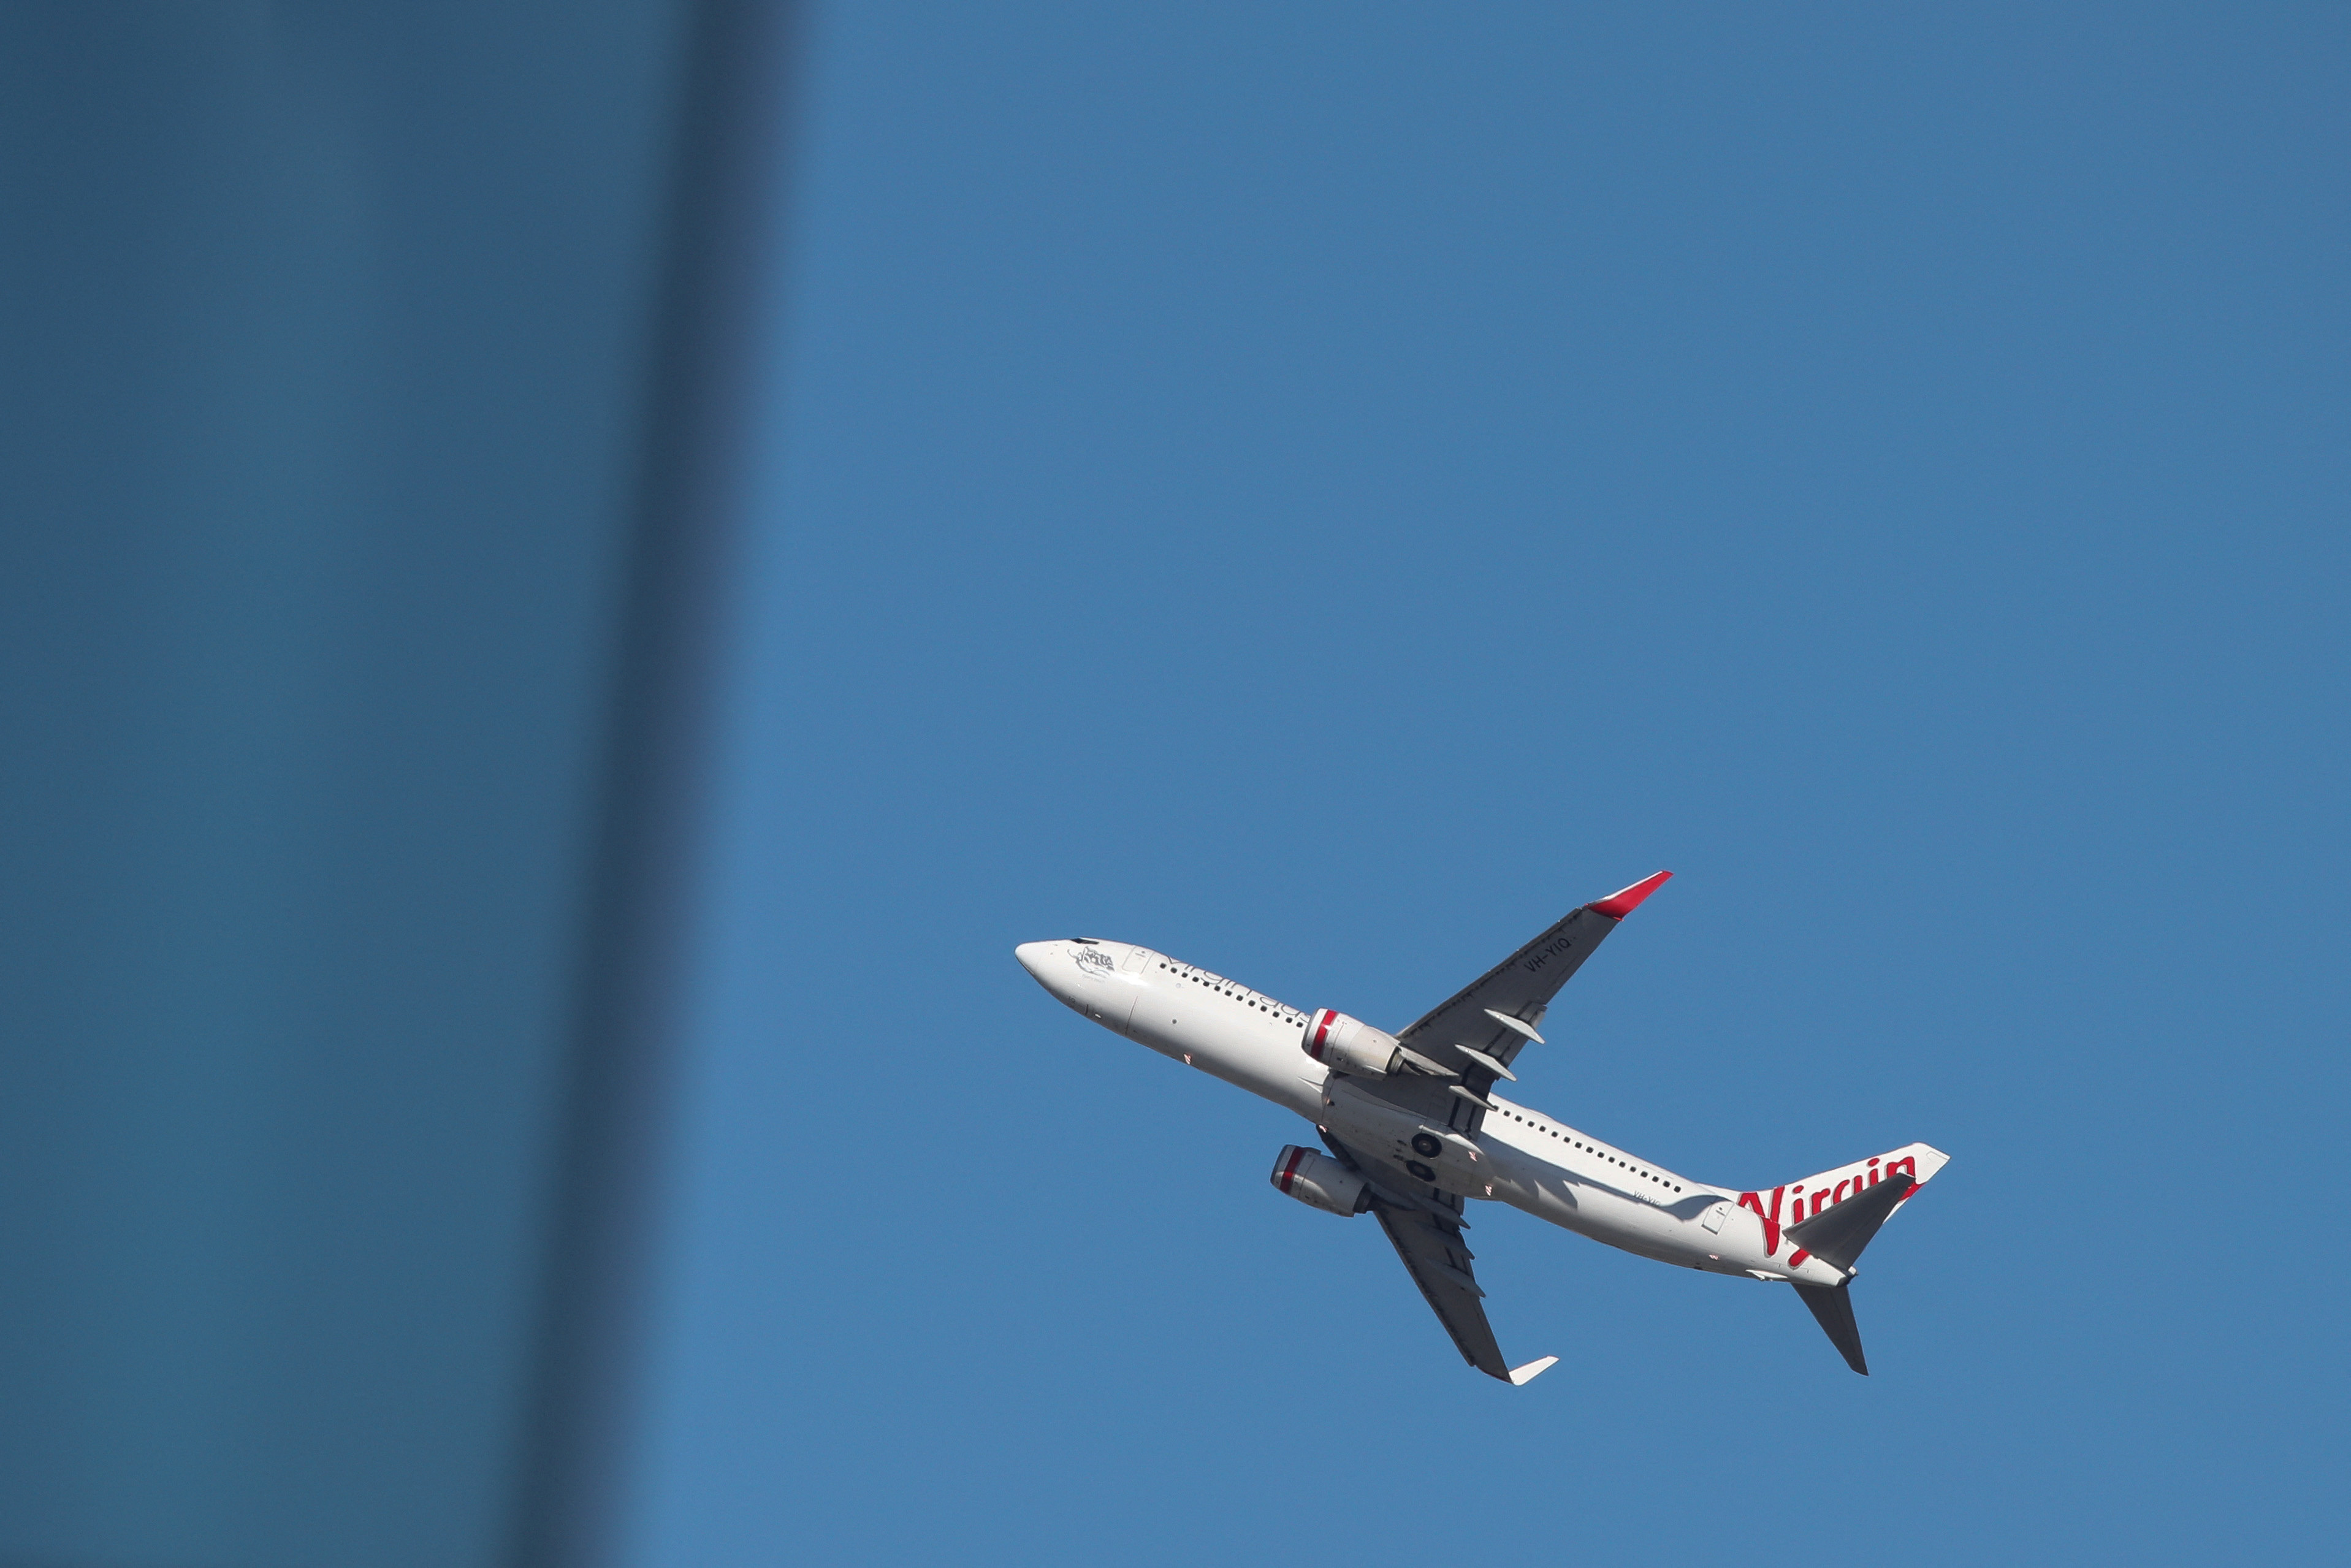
x=1320, y=1180
x=1350, y=1045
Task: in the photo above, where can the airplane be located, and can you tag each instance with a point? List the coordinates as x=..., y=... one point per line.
x=1416, y=1129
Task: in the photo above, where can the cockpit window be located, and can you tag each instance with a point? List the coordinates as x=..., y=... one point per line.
x=1085, y=941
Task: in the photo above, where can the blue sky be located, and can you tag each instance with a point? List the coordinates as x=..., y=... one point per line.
x=1322, y=491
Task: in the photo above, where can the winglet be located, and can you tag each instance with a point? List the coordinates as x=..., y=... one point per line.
x=1617, y=905
x=1522, y=1376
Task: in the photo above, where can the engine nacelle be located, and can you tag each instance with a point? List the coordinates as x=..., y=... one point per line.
x=1320, y=1180
x=1350, y=1045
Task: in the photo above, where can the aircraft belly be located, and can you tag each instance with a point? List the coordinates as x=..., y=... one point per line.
x=1413, y=1147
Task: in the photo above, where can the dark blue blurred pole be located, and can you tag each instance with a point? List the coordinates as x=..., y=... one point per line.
x=374, y=388
x=720, y=275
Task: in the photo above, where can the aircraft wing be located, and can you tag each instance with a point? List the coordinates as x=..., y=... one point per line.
x=1473, y=1035
x=1439, y=1262
x=1519, y=987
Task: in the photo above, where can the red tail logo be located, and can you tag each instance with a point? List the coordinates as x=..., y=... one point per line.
x=1823, y=1197
x=1771, y=1221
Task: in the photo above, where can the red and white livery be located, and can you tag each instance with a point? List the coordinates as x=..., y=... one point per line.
x=1416, y=1130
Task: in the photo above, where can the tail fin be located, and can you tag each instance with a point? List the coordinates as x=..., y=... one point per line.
x=1785, y=1207
x=1834, y=1214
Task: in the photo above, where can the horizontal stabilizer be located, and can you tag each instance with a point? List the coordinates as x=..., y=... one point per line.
x=1833, y=1305
x=1837, y=1235
x=1522, y=1376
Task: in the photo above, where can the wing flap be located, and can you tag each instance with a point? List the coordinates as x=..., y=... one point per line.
x=1440, y=1265
x=1426, y=1234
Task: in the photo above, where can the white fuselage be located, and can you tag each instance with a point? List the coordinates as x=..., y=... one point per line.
x=1518, y=1156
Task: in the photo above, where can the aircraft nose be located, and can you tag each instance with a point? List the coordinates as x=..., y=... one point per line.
x=1032, y=958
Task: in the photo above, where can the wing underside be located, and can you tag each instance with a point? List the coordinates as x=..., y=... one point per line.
x=1479, y=1030
x=1440, y=1265
x=1426, y=1228
x=1496, y=1014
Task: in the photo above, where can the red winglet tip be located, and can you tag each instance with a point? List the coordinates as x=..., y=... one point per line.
x=1617, y=905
